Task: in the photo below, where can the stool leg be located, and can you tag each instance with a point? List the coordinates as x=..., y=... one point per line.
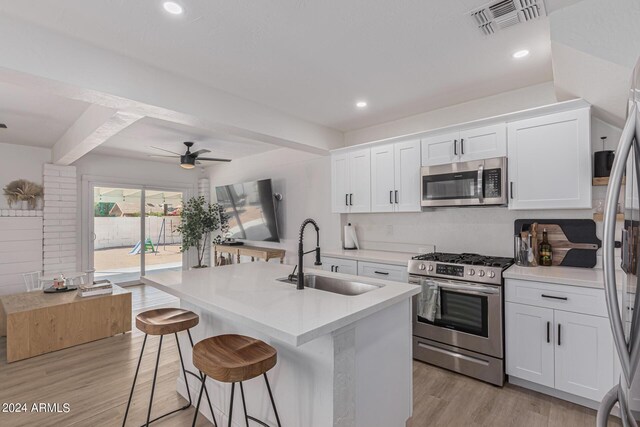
x=233, y=388
x=153, y=385
x=184, y=371
x=244, y=405
x=273, y=402
x=135, y=377
x=195, y=416
x=206, y=392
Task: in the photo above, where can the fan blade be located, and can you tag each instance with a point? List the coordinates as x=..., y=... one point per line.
x=162, y=149
x=197, y=153
x=163, y=156
x=211, y=159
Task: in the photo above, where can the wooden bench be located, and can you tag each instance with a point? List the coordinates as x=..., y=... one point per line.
x=37, y=323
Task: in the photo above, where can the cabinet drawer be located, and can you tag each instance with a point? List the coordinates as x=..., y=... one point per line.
x=339, y=265
x=383, y=271
x=562, y=297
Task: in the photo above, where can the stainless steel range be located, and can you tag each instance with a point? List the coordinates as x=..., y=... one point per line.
x=458, y=318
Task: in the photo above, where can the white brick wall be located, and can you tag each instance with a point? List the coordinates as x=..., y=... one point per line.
x=59, y=218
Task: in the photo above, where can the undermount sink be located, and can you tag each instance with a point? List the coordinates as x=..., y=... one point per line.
x=336, y=286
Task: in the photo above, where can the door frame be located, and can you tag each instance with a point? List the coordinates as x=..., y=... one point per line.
x=89, y=182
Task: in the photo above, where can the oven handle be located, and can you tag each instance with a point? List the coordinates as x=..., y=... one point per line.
x=470, y=288
x=480, y=183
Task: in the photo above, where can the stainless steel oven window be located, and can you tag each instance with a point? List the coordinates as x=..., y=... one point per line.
x=462, y=312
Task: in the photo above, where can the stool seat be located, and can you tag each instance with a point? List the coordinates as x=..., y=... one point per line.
x=233, y=358
x=165, y=321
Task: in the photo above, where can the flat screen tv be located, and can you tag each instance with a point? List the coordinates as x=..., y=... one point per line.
x=251, y=210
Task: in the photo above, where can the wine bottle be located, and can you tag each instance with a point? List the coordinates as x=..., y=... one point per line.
x=545, y=250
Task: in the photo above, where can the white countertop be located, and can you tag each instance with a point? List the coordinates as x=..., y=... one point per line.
x=573, y=276
x=249, y=293
x=383, y=257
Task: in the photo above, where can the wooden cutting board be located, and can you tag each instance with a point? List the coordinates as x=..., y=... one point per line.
x=574, y=242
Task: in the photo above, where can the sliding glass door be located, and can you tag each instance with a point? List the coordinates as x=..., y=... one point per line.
x=134, y=231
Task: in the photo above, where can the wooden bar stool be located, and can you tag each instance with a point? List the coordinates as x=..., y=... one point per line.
x=165, y=321
x=234, y=359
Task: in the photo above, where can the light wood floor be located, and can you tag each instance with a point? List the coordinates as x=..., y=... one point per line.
x=95, y=380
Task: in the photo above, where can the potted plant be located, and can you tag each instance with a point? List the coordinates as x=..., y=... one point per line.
x=25, y=191
x=197, y=221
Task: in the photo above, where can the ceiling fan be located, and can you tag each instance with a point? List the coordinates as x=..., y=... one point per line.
x=189, y=160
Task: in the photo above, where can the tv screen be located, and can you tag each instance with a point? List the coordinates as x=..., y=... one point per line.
x=251, y=210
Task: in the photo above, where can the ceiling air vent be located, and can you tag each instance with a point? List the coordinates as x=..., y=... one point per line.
x=498, y=15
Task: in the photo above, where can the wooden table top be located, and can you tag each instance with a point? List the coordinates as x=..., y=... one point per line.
x=26, y=301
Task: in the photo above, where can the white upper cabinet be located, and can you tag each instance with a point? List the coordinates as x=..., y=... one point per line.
x=461, y=146
x=351, y=181
x=550, y=161
x=340, y=183
x=383, y=178
x=360, y=180
x=395, y=177
x=407, y=176
x=440, y=149
x=483, y=143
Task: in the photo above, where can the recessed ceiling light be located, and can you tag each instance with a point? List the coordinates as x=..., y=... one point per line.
x=521, y=54
x=361, y=104
x=172, y=7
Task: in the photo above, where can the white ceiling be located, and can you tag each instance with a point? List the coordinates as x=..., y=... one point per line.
x=34, y=117
x=314, y=59
x=138, y=139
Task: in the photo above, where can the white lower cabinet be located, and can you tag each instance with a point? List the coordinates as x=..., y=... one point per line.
x=340, y=265
x=583, y=356
x=570, y=352
x=529, y=343
x=395, y=273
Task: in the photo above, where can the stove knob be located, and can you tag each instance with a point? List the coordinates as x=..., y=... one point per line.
x=492, y=274
x=481, y=273
x=422, y=267
x=471, y=272
x=430, y=267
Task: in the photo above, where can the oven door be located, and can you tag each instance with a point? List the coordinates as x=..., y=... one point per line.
x=470, y=316
x=475, y=183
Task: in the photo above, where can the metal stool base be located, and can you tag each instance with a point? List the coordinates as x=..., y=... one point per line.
x=247, y=417
x=200, y=378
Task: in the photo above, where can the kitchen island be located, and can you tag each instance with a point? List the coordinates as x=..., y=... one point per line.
x=342, y=360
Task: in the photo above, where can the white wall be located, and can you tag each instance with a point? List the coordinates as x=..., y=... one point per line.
x=19, y=161
x=502, y=103
x=305, y=183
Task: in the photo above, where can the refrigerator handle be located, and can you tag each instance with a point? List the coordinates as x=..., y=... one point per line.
x=611, y=203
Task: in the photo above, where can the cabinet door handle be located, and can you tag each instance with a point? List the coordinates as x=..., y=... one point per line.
x=455, y=147
x=346, y=199
x=337, y=268
x=461, y=145
x=548, y=334
x=559, y=334
x=332, y=267
x=511, y=189
x=384, y=273
x=391, y=196
x=351, y=199
x=554, y=297
x=396, y=196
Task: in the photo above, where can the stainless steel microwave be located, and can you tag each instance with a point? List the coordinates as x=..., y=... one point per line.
x=474, y=183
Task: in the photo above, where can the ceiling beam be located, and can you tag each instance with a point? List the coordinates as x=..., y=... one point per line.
x=34, y=56
x=95, y=126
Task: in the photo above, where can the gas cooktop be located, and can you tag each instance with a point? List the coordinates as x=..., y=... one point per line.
x=467, y=259
x=467, y=267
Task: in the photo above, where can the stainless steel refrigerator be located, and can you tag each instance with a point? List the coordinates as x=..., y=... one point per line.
x=622, y=299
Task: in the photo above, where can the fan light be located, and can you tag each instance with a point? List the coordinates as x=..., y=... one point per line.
x=187, y=162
